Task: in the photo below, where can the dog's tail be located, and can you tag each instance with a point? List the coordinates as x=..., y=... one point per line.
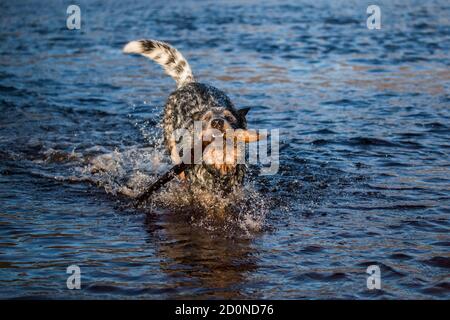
x=167, y=56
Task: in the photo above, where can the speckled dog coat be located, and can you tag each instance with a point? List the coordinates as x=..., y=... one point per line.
x=188, y=103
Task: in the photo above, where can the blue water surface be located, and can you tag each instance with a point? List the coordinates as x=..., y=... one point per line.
x=364, y=156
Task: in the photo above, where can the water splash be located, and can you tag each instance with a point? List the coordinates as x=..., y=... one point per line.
x=129, y=172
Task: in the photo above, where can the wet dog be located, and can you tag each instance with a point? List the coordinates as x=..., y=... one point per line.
x=208, y=117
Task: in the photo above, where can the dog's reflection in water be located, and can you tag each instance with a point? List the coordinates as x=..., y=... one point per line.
x=208, y=262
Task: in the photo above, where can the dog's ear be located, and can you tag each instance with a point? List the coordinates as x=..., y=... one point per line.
x=243, y=112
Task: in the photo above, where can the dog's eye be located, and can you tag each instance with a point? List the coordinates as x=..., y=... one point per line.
x=230, y=118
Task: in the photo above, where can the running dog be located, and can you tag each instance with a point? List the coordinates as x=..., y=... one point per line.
x=207, y=114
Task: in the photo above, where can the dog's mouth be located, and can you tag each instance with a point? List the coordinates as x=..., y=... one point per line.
x=219, y=134
x=231, y=134
x=214, y=135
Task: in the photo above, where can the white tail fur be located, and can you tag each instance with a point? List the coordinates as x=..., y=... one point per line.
x=165, y=55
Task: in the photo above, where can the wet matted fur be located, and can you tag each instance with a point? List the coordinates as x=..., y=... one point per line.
x=190, y=102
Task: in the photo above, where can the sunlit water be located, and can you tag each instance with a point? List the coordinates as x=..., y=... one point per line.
x=364, y=161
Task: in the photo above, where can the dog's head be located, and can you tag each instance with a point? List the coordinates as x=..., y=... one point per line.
x=218, y=120
x=224, y=134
